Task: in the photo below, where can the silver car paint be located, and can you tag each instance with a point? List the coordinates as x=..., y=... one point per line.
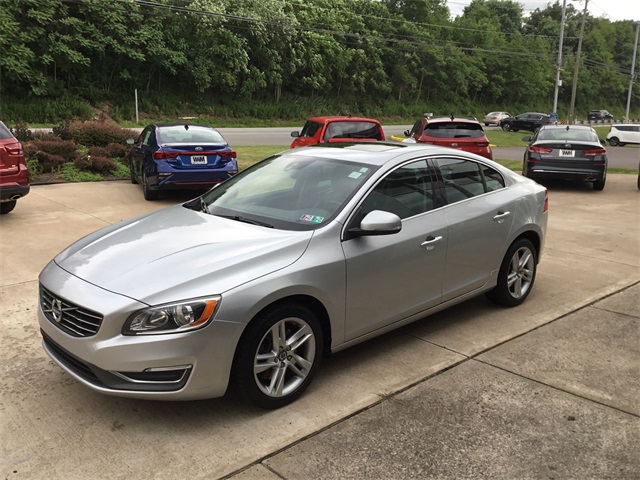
x=316, y=267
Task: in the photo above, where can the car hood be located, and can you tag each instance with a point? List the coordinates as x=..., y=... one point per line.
x=178, y=253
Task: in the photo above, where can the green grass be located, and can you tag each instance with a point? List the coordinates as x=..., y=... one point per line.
x=248, y=155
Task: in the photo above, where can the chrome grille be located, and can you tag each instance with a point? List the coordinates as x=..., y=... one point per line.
x=69, y=317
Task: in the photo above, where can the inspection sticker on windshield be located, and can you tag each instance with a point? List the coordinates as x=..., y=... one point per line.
x=312, y=218
x=355, y=175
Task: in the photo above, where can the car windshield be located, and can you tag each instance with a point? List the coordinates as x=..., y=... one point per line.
x=454, y=130
x=192, y=134
x=352, y=130
x=290, y=192
x=568, y=135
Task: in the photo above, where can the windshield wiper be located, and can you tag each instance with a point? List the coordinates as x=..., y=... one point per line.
x=238, y=218
x=203, y=206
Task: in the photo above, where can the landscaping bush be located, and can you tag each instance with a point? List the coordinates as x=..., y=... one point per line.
x=63, y=131
x=65, y=148
x=99, y=152
x=102, y=165
x=49, y=163
x=70, y=173
x=117, y=150
x=22, y=132
x=82, y=162
x=99, y=134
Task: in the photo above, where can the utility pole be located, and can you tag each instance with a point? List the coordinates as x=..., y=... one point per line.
x=559, y=63
x=577, y=67
x=633, y=64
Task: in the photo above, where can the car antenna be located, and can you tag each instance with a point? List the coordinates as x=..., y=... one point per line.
x=567, y=127
x=452, y=117
x=186, y=127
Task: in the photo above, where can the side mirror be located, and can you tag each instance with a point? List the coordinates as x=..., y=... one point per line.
x=295, y=134
x=130, y=141
x=407, y=133
x=378, y=222
x=526, y=139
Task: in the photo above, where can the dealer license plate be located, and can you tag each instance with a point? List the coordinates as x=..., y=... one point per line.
x=198, y=159
x=567, y=153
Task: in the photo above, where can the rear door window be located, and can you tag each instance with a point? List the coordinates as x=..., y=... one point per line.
x=462, y=178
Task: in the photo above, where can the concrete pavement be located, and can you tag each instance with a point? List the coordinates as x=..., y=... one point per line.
x=549, y=389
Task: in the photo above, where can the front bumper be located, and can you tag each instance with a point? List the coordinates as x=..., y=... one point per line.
x=185, y=366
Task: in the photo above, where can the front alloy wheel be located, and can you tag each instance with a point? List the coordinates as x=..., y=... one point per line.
x=278, y=356
x=517, y=274
x=506, y=127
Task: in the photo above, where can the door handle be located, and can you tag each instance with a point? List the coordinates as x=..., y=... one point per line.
x=430, y=242
x=500, y=216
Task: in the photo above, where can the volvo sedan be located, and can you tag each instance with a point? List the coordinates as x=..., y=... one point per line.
x=308, y=252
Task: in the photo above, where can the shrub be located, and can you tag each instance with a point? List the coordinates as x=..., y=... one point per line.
x=21, y=132
x=65, y=148
x=102, y=165
x=45, y=136
x=97, y=134
x=49, y=163
x=63, y=131
x=98, y=152
x=117, y=150
x=121, y=171
x=70, y=173
x=83, y=162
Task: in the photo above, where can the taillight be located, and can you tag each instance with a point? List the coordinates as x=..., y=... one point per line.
x=597, y=151
x=14, y=149
x=162, y=155
x=482, y=144
x=228, y=154
x=546, y=201
x=540, y=149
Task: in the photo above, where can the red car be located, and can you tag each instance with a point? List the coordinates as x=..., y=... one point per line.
x=14, y=176
x=337, y=129
x=464, y=133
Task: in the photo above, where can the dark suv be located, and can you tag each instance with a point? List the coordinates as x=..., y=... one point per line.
x=595, y=115
x=14, y=176
x=529, y=121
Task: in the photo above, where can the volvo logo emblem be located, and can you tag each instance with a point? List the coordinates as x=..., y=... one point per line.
x=198, y=149
x=56, y=309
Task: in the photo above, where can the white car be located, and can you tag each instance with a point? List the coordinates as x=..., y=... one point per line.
x=494, y=118
x=620, y=135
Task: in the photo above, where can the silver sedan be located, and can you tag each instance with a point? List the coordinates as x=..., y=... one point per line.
x=306, y=253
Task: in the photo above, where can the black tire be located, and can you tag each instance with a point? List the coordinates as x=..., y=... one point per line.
x=514, y=129
x=509, y=289
x=614, y=141
x=599, y=184
x=638, y=181
x=486, y=124
x=132, y=174
x=295, y=364
x=506, y=127
x=149, y=194
x=6, y=207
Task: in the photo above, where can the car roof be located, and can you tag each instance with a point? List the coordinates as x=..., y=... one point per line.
x=163, y=125
x=338, y=118
x=567, y=127
x=374, y=153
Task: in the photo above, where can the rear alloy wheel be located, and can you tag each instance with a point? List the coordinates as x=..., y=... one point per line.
x=278, y=356
x=517, y=274
x=614, y=141
x=6, y=207
x=146, y=190
x=506, y=127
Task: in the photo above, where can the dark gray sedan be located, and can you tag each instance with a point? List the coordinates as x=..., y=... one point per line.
x=304, y=254
x=566, y=152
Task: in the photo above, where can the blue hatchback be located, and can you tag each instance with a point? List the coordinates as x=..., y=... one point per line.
x=179, y=156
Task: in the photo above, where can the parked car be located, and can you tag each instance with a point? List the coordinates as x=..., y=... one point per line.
x=14, y=175
x=566, y=153
x=620, y=135
x=337, y=129
x=595, y=115
x=464, y=133
x=529, y=121
x=494, y=118
x=178, y=156
x=303, y=254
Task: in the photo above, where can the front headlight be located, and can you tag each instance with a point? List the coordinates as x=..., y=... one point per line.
x=172, y=317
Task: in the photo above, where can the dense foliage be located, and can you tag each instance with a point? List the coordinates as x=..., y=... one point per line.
x=231, y=56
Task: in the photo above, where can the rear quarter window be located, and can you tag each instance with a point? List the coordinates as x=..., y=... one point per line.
x=5, y=132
